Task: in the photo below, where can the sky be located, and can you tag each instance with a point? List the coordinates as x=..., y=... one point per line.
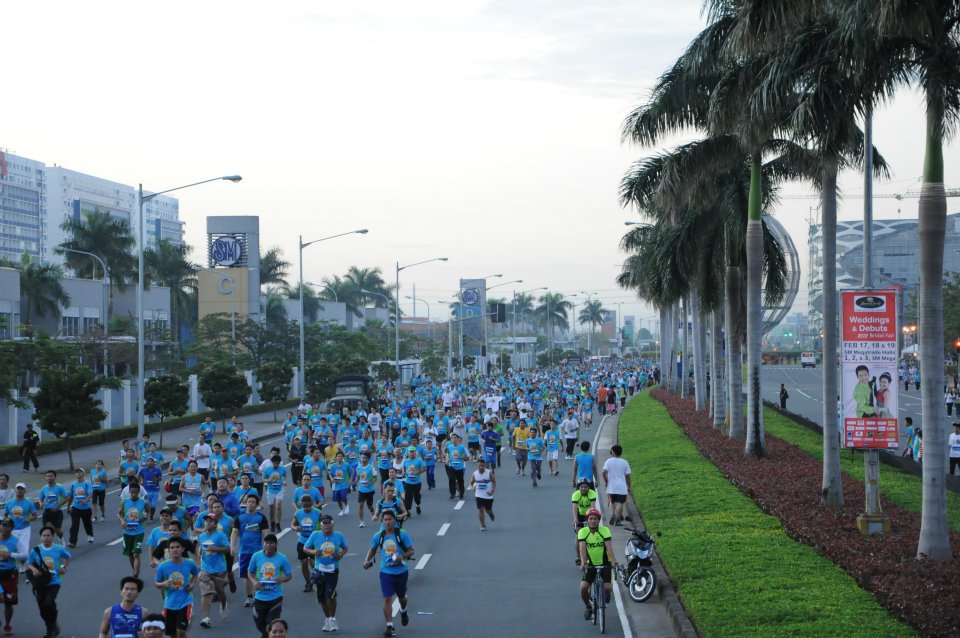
x=485, y=131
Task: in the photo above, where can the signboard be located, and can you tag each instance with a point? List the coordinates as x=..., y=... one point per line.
x=868, y=355
x=473, y=301
x=226, y=251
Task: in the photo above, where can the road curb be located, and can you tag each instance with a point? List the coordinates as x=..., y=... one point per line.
x=683, y=627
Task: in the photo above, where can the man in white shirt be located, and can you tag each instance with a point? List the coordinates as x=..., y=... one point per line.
x=448, y=397
x=616, y=479
x=570, y=430
x=202, y=453
x=492, y=401
x=374, y=420
x=954, y=443
x=524, y=407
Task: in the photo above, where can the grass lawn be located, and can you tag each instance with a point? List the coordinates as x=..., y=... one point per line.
x=735, y=569
x=900, y=487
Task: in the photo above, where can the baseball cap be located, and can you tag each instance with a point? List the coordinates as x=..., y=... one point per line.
x=19, y=485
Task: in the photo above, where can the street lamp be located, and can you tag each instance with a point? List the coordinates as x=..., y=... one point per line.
x=631, y=223
x=415, y=300
x=141, y=199
x=106, y=300
x=325, y=287
x=302, y=244
x=396, y=306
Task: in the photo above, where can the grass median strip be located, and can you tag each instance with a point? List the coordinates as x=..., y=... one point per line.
x=902, y=488
x=736, y=570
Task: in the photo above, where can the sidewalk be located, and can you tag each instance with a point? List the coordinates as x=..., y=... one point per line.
x=260, y=425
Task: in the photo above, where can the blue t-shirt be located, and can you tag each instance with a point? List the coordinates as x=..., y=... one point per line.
x=99, y=479
x=328, y=547
x=80, y=491
x=150, y=478
x=535, y=448
x=491, y=438
x=250, y=528
x=52, y=557
x=429, y=456
x=266, y=570
x=309, y=522
x=7, y=549
x=316, y=469
x=182, y=574
x=134, y=513
x=340, y=476
x=177, y=465
x=213, y=562
x=155, y=536
x=273, y=477
x=584, y=463
x=552, y=440
x=247, y=465
x=412, y=469
x=391, y=556
x=190, y=490
x=313, y=492
x=19, y=510
x=51, y=496
x=366, y=477
x=128, y=469
x=455, y=455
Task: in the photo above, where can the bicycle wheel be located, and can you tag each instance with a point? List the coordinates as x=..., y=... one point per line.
x=642, y=584
x=602, y=606
x=596, y=601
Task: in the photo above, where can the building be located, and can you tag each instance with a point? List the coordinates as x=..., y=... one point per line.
x=896, y=261
x=35, y=199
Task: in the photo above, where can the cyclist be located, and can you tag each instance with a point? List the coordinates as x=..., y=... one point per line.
x=583, y=499
x=596, y=552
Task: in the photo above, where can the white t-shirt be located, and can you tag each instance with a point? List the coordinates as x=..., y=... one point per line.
x=570, y=428
x=203, y=462
x=617, y=471
x=493, y=401
x=448, y=398
x=954, y=443
x=373, y=420
x=482, y=480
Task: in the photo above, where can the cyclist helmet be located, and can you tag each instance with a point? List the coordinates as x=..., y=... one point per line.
x=583, y=481
x=593, y=511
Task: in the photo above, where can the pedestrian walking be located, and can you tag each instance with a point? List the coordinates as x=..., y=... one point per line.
x=10, y=553
x=949, y=398
x=28, y=450
x=46, y=564
x=954, y=443
x=784, y=395
x=616, y=479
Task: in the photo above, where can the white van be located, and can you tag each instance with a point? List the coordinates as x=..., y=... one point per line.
x=808, y=360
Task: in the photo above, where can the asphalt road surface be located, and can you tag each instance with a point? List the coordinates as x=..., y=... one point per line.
x=516, y=579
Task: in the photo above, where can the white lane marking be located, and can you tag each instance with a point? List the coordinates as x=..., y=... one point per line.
x=443, y=529
x=808, y=396
x=459, y=505
x=396, y=606
x=423, y=561
x=283, y=533
x=621, y=612
x=116, y=542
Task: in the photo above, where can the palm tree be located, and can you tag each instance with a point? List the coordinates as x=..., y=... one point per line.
x=109, y=238
x=368, y=279
x=522, y=307
x=274, y=268
x=41, y=287
x=339, y=289
x=169, y=265
x=593, y=314
x=552, y=313
x=311, y=302
x=275, y=312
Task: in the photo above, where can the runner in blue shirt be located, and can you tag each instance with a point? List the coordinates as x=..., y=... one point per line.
x=306, y=521
x=213, y=546
x=535, y=455
x=366, y=480
x=454, y=457
x=176, y=578
x=339, y=474
x=51, y=497
x=246, y=538
x=131, y=515
x=316, y=467
x=80, y=503
x=150, y=476
x=307, y=488
x=327, y=547
x=429, y=456
x=395, y=547
x=491, y=439
x=53, y=559
x=268, y=570
x=413, y=467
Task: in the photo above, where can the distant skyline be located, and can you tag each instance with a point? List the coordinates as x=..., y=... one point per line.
x=483, y=131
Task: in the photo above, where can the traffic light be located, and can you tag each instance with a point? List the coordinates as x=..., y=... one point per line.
x=956, y=347
x=499, y=313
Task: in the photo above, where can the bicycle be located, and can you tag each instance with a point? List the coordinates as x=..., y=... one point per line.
x=598, y=598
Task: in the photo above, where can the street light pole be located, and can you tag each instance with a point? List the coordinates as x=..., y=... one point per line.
x=396, y=305
x=106, y=301
x=141, y=199
x=303, y=372
x=486, y=344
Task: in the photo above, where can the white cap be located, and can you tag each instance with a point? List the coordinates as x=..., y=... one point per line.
x=23, y=485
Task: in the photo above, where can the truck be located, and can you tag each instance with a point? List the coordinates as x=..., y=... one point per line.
x=351, y=391
x=808, y=360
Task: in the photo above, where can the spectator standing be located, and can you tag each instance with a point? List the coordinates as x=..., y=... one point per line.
x=948, y=398
x=29, y=448
x=784, y=395
x=616, y=478
x=954, y=443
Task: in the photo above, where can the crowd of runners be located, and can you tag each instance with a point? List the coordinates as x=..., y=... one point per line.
x=218, y=507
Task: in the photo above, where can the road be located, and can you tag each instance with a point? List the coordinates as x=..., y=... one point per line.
x=805, y=386
x=517, y=578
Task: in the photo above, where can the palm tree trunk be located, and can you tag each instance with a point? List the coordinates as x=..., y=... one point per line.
x=717, y=387
x=754, y=445
x=734, y=355
x=934, y=531
x=684, y=373
x=831, y=493
x=699, y=378
x=664, y=351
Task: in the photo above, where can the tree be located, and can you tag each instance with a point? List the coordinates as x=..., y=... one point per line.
x=311, y=302
x=275, y=312
x=384, y=371
x=433, y=366
x=109, y=238
x=66, y=406
x=223, y=389
x=274, y=381
x=319, y=380
x=643, y=335
x=592, y=314
x=165, y=396
x=169, y=265
x=274, y=268
x=553, y=312
x=341, y=290
x=42, y=286
x=368, y=279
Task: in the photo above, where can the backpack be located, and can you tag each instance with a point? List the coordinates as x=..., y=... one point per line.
x=399, y=538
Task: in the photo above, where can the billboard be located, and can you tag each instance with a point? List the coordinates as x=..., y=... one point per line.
x=868, y=355
x=472, y=306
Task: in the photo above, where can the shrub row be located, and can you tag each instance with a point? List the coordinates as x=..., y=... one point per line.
x=735, y=569
x=11, y=453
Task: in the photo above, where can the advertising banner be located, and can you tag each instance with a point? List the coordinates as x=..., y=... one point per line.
x=868, y=355
x=473, y=303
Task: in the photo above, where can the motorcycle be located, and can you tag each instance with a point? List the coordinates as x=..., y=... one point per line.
x=638, y=575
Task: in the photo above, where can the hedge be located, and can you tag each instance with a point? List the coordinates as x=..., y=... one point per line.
x=11, y=453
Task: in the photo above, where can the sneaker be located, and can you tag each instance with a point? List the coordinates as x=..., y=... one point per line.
x=483, y=528
x=389, y=631
x=404, y=618
x=346, y=510
x=248, y=602
x=451, y=497
x=340, y=513
x=205, y=623
x=89, y=539
x=333, y=624
x=418, y=510
x=587, y=614
x=71, y=545
x=612, y=519
x=307, y=587
x=518, y=472
x=326, y=625
x=534, y=483
x=362, y=524
x=233, y=584
x=7, y=630
x=223, y=609
x=492, y=517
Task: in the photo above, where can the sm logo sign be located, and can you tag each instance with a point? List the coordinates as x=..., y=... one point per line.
x=226, y=251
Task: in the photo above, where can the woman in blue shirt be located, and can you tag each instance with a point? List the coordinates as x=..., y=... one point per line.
x=54, y=559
